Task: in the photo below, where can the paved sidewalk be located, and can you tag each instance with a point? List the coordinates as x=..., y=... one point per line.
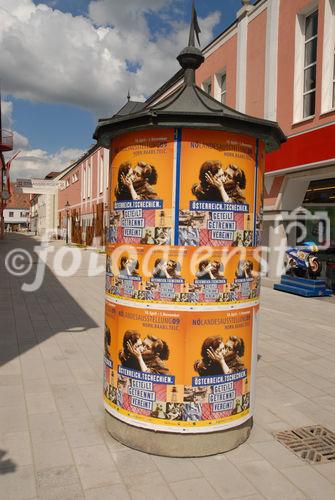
x=53, y=444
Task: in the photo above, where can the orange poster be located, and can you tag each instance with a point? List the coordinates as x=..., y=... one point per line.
x=182, y=275
x=180, y=369
x=142, y=187
x=260, y=193
x=217, y=189
x=182, y=278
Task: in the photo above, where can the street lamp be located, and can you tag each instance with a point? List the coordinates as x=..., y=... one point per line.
x=67, y=206
x=5, y=195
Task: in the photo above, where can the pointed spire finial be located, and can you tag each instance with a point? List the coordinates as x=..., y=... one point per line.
x=128, y=95
x=191, y=58
x=194, y=28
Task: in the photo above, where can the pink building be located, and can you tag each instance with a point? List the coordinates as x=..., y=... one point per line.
x=276, y=61
x=83, y=198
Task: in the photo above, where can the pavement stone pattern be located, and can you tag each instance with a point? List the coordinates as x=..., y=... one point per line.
x=53, y=443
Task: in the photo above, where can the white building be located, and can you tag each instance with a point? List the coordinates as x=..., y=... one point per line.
x=43, y=204
x=16, y=218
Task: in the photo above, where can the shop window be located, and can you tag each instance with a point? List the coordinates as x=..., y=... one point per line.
x=321, y=191
x=310, y=58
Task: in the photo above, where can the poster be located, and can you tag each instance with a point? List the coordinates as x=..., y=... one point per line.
x=259, y=194
x=179, y=369
x=218, y=366
x=182, y=275
x=221, y=275
x=217, y=182
x=142, y=186
x=165, y=274
x=124, y=270
x=182, y=278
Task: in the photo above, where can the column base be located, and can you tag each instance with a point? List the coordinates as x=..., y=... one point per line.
x=170, y=444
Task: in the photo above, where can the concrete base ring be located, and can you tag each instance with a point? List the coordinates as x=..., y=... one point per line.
x=170, y=444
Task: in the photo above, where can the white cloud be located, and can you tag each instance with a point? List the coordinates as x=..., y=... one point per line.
x=6, y=115
x=37, y=163
x=20, y=141
x=128, y=17
x=50, y=56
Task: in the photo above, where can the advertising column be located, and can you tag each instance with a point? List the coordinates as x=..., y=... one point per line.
x=182, y=279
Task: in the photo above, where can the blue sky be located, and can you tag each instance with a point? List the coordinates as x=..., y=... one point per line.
x=73, y=61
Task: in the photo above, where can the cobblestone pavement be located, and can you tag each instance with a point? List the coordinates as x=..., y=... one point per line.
x=53, y=444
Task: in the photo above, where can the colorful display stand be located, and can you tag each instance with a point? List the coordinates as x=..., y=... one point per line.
x=182, y=273
x=302, y=286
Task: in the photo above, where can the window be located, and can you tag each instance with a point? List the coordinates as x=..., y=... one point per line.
x=11, y=214
x=328, y=58
x=101, y=174
x=223, y=88
x=220, y=86
x=88, y=181
x=305, y=63
x=74, y=177
x=310, y=55
x=207, y=87
x=106, y=166
x=84, y=184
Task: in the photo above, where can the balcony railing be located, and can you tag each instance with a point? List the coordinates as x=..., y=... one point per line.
x=6, y=140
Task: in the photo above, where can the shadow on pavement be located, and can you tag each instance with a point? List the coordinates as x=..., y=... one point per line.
x=29, y=318
x=6, y=464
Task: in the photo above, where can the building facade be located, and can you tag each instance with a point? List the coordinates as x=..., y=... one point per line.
x=6, y=145
x=44, y=206
x=43, y=200
x=83, y=199
x=276, y=61
x=17, y=211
